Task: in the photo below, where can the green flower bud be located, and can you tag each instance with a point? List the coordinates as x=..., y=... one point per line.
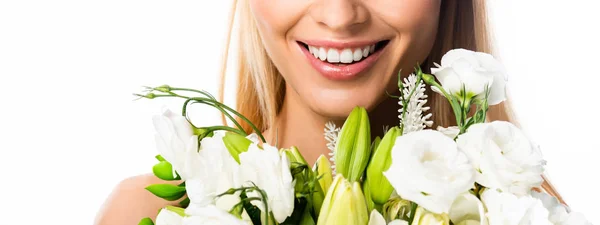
x=397, y=208
x=344, y=204
x=168, y=192
x=164, y=171
x=236, y=144
x=146, y=221
x=353, y=147
x=380, y=188
x=309, y=186
x=322, y=169
x=424, y=217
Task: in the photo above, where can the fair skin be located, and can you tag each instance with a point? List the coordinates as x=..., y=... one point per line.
x=318, y=90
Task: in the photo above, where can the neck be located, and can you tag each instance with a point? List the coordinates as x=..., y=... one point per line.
x=297, y=125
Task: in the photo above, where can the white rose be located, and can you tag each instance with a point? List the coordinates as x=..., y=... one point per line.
x=168, y=217
x=503, y=156
x=508, y=209
x=474, y=71
x=215, y=172
x=467, y=209
x=175, y=140
x=428, y=169
x=270, y=171
x=211, y=215
x=377, y=219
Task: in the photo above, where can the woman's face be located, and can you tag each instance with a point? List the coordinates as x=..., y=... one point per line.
x=338, y=54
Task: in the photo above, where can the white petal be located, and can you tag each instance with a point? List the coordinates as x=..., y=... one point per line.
x=168, y=217
x=376, y=218
x=467, y=207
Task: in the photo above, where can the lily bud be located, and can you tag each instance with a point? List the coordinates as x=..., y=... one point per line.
x=353, y=148
x=397, y=208
x=322, y=168
x=236, y=144
x=379, y=187
x=424, y=217
x=344, y=204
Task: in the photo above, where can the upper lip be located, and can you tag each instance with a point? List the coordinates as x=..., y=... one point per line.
x=340, y=44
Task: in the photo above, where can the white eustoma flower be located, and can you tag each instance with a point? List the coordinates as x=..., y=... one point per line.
x=474, y=71
x=377, y=219
x=428, y=169
x=175, y=141
x=467, y=209
x=211, y=215
x=504, y=157
x=168, y=217
x=270, y=172
x=508, y=209
x=215, y=172
x=558, y=212
x=451, y=132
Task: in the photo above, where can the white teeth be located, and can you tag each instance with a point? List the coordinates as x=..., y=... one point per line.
x=357, y=54
x=346, y=55
x=322, y=54
x=333, y=56
x=313, y=50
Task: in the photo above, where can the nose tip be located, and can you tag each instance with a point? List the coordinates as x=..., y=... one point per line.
x=339, y=15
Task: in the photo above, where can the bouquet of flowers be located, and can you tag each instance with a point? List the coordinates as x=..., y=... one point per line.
x=478, y=172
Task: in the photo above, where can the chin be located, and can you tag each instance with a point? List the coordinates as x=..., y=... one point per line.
x=337, y=104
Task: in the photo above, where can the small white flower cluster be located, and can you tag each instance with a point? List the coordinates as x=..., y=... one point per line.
x=411, y=115
x=331, y=134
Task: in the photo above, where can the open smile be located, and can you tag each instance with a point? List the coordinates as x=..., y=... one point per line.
x=342, y=61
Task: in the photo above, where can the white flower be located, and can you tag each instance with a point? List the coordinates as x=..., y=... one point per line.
x=270, y=172
x=175, y=141
x=503, y=156
x=211, y=215
x=215, y=172
x=413, y=119
x=508, y=209
x=575, y=218
x=377, y=219
x=428, y=169
x=467, y=209
x=331, y=133
x=168, y=217
x=474, y=71
x=558, y=212
x=451, y=132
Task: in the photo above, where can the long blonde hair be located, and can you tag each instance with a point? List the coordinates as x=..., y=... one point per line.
x=260, y=90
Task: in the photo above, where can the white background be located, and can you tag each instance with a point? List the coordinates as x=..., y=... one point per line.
x=70, y=130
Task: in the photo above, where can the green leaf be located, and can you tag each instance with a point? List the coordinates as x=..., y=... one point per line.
x=185, y=203
x=146, y=221
x=164, y=171
x=253, y=211
x=168, y=192
x=160, y=158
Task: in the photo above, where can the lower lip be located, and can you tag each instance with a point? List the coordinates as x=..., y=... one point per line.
x=341, y=71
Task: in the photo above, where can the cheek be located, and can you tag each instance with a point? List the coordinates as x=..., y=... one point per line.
x=276, y=17
x=409, y=16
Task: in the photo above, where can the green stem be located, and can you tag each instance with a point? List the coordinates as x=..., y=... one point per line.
x=453, y=103
x=200, y=99
x=226, y=128
x=184, y=112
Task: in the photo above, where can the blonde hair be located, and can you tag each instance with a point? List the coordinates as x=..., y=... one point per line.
x=260, y=90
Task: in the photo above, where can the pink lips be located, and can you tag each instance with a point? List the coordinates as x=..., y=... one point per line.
x=340, y=71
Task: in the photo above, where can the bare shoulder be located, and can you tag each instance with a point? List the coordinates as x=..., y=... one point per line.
x=129, y=202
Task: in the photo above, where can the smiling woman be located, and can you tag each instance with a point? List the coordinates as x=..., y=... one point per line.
x=304, y=63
